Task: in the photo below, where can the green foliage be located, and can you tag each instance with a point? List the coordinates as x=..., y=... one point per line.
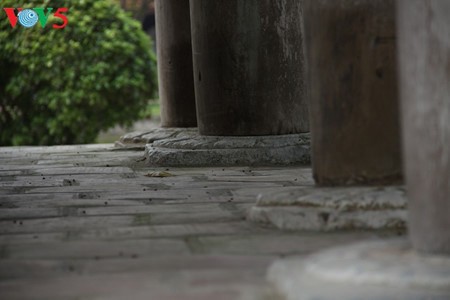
x=64, y=86
x=151, y=110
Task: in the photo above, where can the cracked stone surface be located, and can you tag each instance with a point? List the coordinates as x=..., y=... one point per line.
x=327, y=209
x=139, y=139
x=198, y=151
x=90, y=222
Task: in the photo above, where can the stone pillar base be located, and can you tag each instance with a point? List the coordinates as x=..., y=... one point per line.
x=138, y=139
x=371, y=271
x=199, y=151
x=327, y=209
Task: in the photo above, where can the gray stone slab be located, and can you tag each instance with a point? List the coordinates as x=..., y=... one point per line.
x=136, y=232
x=190, y=285
x=372, y=270
x=106, y=210
x=230, y=151
x=83, y=170
x=77, y=249
x=38, y=180
x=64, y=201
x=50, y=268
x=327, y=209
x=17, y=151
x=62, y=240
x=81, y=223
x=276, y=243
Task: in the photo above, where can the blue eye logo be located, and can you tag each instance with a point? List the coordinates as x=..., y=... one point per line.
x=28, y=18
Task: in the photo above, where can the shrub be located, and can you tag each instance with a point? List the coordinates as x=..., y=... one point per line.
x=64, y=86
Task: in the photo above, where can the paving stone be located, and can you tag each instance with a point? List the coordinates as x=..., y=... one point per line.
x=82, y=170
x=114, y=233
x=36, y=213
x=35, y=268
x=137, y=232
x=78, y=223
x=64, y=200
x=286, y=244
x=75, y=249
x=195, y=285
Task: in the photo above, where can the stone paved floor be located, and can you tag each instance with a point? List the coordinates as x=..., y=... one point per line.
x=86, y=222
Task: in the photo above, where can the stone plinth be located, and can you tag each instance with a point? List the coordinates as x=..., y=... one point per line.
x=196, y=151
x=328, y=209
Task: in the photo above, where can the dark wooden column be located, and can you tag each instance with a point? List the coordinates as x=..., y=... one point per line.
x=353, y=91
x=424, y=41
x=176, y=83
x=249, y=67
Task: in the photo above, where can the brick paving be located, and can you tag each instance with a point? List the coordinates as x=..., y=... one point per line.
x=92, y=222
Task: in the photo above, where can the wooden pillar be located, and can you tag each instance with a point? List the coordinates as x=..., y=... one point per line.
x=353, y=91
x=424, y=51
x=249, y=67
x=176, y=83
